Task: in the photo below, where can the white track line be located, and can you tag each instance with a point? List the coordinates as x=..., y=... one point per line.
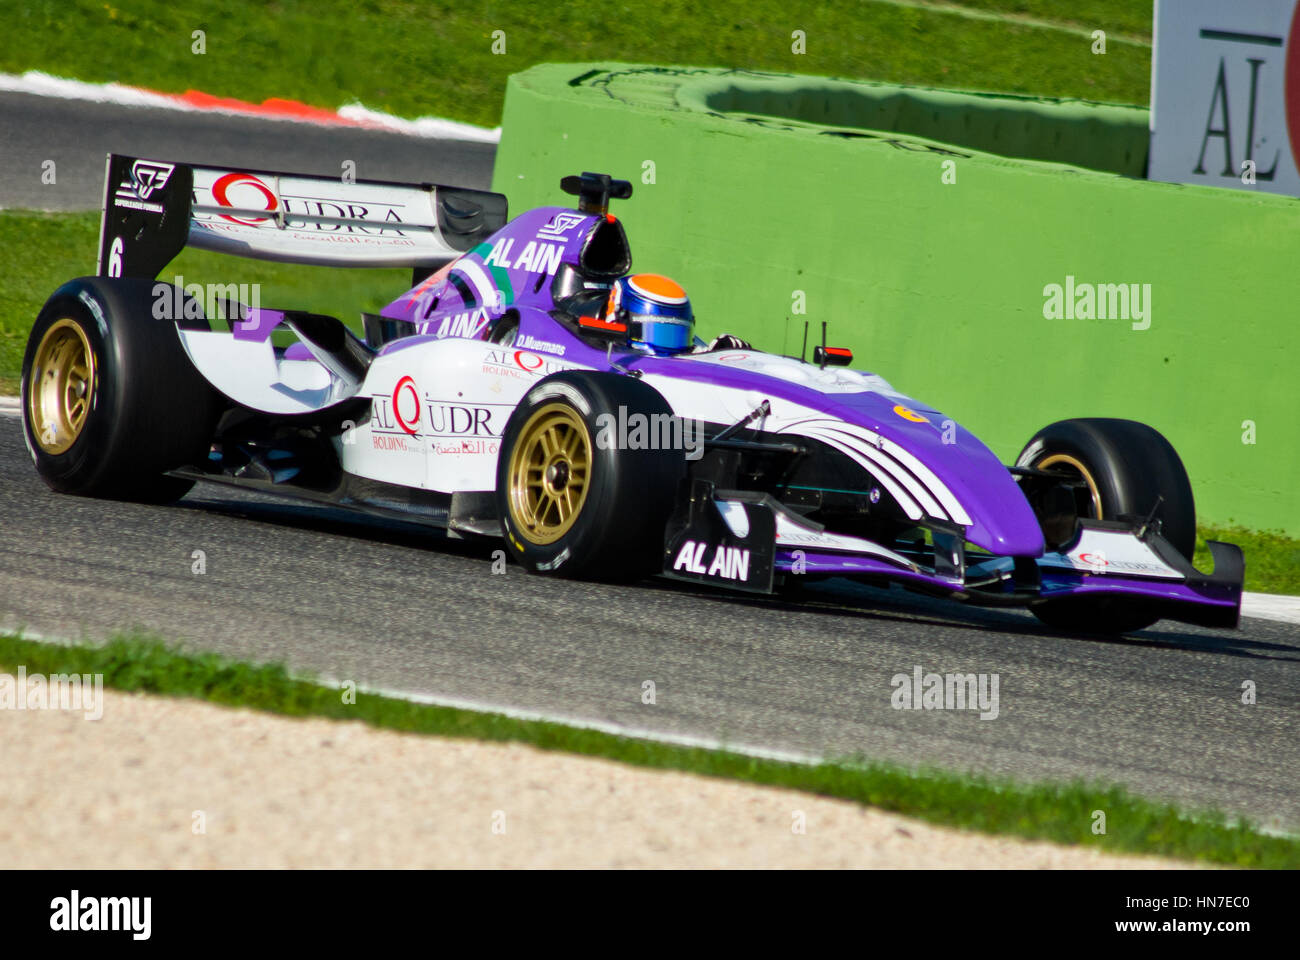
x=949, y=7
x=353, y=115
x=44, y=85
x=435, y=128
x=583, y=723
x=1271, y=606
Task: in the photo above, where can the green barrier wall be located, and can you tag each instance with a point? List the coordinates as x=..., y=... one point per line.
x=940, y=286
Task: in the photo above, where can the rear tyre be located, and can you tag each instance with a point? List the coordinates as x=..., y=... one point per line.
x=110, y=399
x=573, y=503
x=1125, y=467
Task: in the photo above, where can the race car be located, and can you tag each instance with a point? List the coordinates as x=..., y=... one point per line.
x=530, y=387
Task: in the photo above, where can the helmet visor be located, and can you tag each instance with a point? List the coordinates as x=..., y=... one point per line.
x=672, y=335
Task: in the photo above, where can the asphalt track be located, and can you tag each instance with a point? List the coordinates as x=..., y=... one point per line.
x=77, y=134
x=393, y=606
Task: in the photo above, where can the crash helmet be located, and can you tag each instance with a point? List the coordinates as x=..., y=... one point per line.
x=655, y=310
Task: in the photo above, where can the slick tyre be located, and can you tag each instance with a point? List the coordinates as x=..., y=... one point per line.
x=1125, y=467
x=574, y=499
x=110, y=399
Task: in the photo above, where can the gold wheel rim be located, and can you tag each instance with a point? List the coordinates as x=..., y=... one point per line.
x=61, y=386
x=1064, y=459
x=549, y=473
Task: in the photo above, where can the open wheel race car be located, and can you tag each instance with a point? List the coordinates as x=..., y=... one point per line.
x=503, y=395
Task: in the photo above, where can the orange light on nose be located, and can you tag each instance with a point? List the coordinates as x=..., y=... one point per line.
x=907, y=414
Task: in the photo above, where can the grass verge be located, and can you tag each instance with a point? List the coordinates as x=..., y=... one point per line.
x=1058, y=813
x=452, y=59
x=1272, y=558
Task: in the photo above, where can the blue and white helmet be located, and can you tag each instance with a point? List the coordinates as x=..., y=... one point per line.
x=655, y=310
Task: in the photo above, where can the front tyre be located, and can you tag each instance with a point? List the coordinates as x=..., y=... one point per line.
x=110, y=400
x=574, y=499
x=1119, y=469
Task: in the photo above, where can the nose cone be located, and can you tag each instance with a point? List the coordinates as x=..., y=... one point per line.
x=1002, y=521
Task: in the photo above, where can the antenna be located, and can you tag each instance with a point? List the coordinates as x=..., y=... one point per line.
x=804, y=348
x=823, y=344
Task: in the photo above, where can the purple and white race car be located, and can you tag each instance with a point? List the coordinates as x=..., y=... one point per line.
x=510, y=394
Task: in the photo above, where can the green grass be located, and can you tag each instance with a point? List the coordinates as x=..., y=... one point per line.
x=413, y=59
x=1272, y=558
x=41, y=251
x=1061, y=813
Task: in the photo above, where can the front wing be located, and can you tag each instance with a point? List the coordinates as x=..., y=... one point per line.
x=746, y=541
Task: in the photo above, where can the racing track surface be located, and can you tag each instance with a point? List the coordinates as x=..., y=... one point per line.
x=77, y=134
x=393, y=606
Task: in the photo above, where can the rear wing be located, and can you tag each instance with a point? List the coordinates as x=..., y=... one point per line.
x=153, y=209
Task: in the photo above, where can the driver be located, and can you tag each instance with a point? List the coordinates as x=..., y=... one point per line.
x=658, y=317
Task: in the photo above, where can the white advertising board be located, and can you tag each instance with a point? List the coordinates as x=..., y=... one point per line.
x=1225, y=94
